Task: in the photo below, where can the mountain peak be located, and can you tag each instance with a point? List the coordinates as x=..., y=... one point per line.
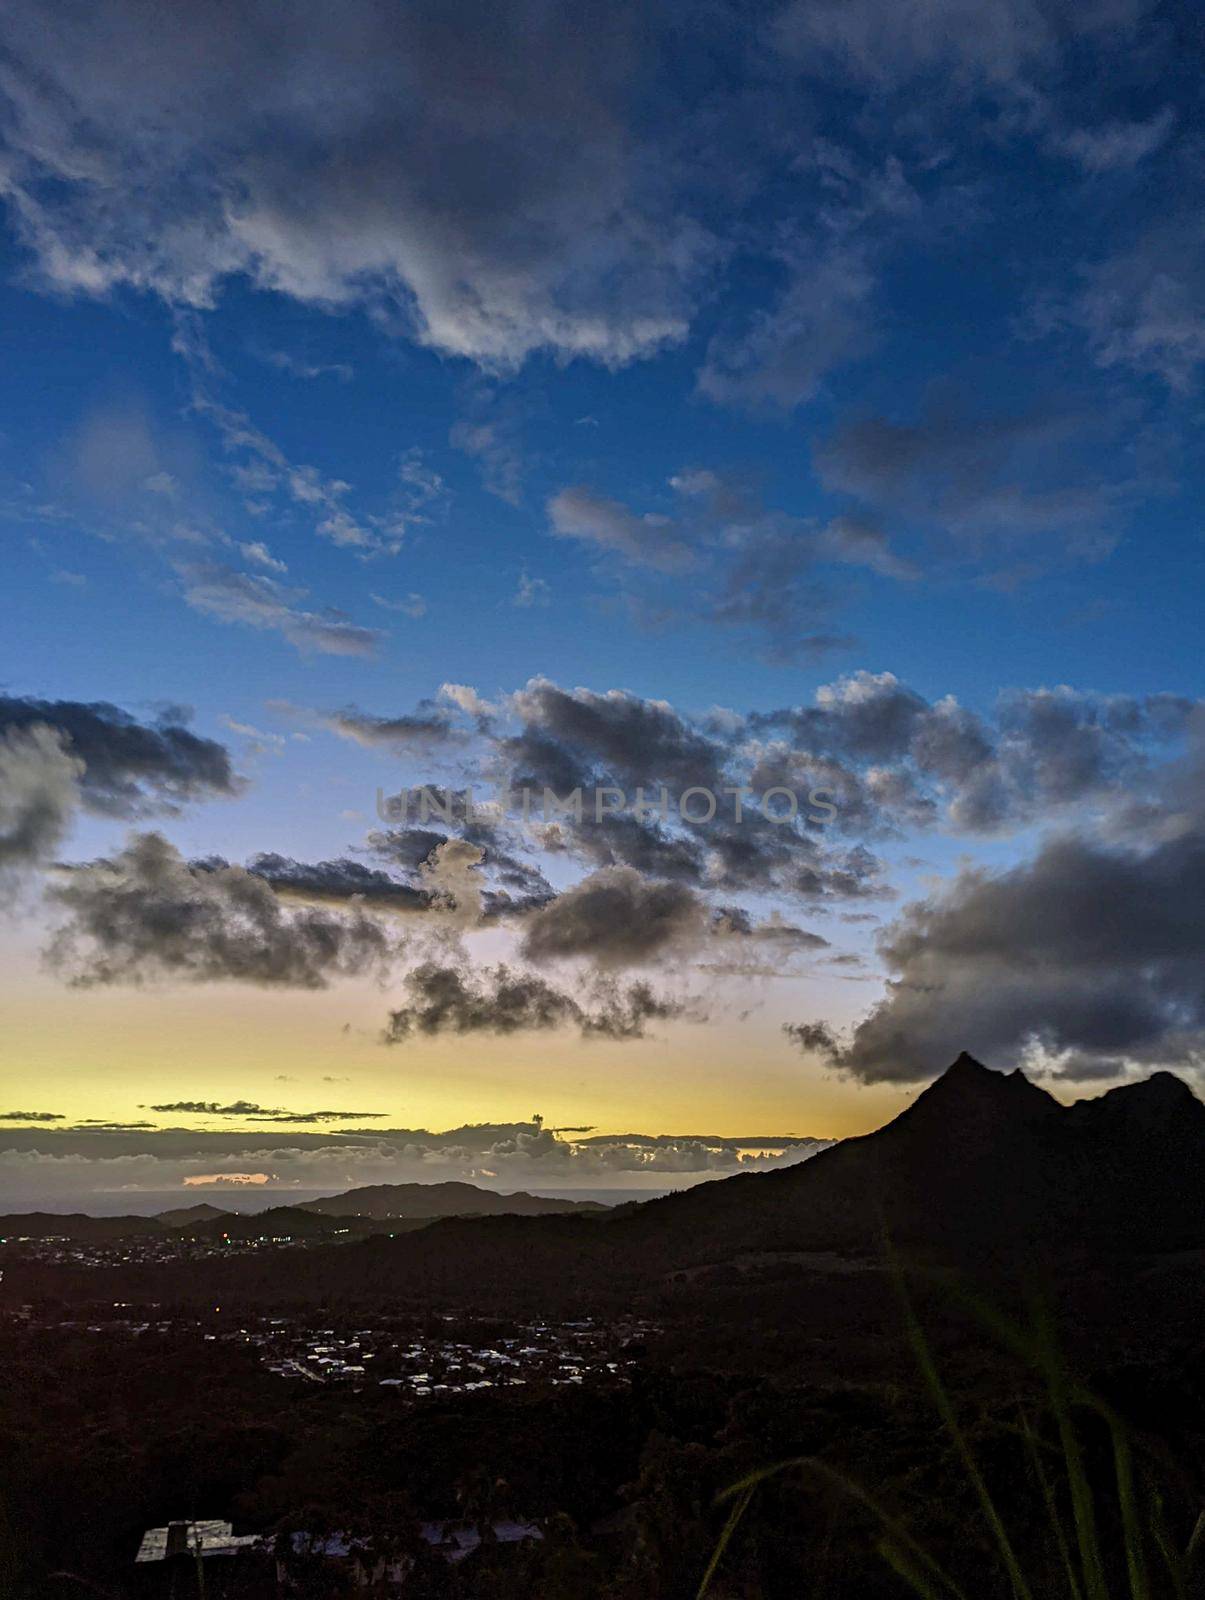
x=1154, y=1103
x=966, y=1066
x=968, y=1093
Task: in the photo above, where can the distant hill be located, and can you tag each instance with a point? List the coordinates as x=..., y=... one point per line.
x=381, y=1208
x=430, y=1200
x=185, y=1216
x=278, y=1222
x=74, y=1225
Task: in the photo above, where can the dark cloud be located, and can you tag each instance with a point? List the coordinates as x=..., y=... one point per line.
x=616, y=918
x=253, y=1112
x=591, y=742
x=424, y=730
x=39, y=793
x=337, y=881
x=131, y=768
x=954, y=43
x=1087, y=957
x=821, y=319
x=503, y=1000
x=146, y=913
x=619, y=734
x=645, y=541
x=784, y=937
x=813, y=1038
x=31, y=1116
x=753, y=569
x=214, y=1108
x=772, y=588
x=355, y=162
x=517, y=885
x=623, y=838
x=890, y=758
x=984, y=476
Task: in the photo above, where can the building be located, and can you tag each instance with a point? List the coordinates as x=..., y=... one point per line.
x=168, y=1555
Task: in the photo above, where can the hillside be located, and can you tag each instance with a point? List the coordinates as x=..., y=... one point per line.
x=189, y=1216
x=386, y=1200
x=980, y=1160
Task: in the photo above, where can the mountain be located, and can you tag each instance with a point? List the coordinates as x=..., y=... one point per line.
x=981, y=1163
x=408, y=1200
x=187, y=1216
x=277, y=1222
x=981, y=1167
x=980, y=1160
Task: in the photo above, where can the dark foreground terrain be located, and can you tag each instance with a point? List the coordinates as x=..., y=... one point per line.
x=972, y=1347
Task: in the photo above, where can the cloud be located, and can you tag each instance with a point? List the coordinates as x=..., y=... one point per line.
x=1114, y=146
x=147, y=914
x=813, y=1038
x=1084, y=960
x=284, y=362
x=257, y=601
x=980, y=476
x=893, y=758
x=752, y=568
x=960, y=45
x=784, y=937
x=339, y=882
x=615, y=732
x=467, y=699
x=820, y=321
x=427, y=729
x=616, y=918
x=31, y=1116
x=504, y=1000
x=39, y=794
x=1142, y=309
x=252, y=1111
x=856, y=542
x=413, y=606
x=491, y=443
x=645, y=541
x=453, y=870
x=772, y=589
x=130, y=768
x=258, y=554
x=355, y=162
x=531, y=592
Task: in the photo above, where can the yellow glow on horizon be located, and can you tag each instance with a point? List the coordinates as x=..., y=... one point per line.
x=109, y=1054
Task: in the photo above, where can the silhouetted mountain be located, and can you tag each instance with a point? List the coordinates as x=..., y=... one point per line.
x=980, y=1159
x=386, y=1200
x=186, y=1216
x=293, y=1222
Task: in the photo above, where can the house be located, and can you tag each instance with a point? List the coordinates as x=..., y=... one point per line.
x=194, y=1539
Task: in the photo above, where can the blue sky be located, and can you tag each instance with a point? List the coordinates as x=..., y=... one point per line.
x=836, y=366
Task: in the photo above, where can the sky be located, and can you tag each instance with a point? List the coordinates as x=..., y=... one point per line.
x=792, y=408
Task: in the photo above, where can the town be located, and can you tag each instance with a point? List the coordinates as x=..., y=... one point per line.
x=407, y=1357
